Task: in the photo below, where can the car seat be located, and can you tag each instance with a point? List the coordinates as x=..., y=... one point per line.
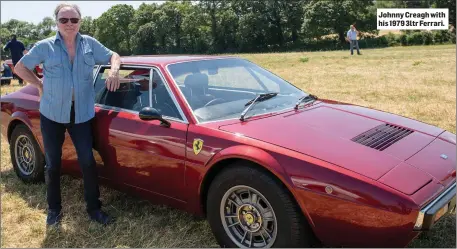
x=196, y=92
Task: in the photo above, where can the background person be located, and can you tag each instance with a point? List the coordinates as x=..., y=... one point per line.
x=352, y=38
x=17, y=51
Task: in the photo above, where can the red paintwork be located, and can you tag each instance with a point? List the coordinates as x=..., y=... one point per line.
x=376, y=195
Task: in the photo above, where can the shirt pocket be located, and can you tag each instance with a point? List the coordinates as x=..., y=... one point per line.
x=89, y=63
x=53, y=67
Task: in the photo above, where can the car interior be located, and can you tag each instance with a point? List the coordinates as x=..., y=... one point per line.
x=133, y=93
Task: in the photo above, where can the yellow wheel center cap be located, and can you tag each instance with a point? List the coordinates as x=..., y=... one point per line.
x=249, y=218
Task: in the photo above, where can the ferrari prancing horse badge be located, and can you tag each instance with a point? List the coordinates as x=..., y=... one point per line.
x=198, y=145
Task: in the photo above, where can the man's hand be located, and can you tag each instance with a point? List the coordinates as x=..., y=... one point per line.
x=112, y=82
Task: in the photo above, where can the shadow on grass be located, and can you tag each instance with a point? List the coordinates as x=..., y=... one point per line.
x=138, y=222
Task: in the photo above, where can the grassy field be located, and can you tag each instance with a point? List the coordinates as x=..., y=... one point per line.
x=416, y=82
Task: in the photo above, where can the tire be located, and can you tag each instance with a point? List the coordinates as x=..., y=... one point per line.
x=292, y=229
x=31, y=170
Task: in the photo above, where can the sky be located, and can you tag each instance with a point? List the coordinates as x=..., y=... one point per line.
x=35, y=11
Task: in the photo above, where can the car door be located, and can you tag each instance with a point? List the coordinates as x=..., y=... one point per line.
x=142, y=154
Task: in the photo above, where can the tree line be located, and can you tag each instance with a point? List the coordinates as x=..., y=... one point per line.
x=225, y=26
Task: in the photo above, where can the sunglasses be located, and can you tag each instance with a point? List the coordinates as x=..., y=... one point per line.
x=65, y=20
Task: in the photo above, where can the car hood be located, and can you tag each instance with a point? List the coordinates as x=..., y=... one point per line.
x=327, y=131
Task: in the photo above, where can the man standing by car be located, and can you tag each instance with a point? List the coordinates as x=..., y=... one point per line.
x=67, y=103
x=17, y=51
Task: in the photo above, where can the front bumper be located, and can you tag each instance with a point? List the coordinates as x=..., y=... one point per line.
x=436, y=209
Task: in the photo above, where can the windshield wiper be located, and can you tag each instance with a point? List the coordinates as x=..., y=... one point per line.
x=305, y=99
x=252, y=102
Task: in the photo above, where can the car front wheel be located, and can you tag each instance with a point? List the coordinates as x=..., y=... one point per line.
x=26, y=156
x=246, y=207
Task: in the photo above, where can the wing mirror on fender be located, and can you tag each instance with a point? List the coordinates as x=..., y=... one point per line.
x=149, y=113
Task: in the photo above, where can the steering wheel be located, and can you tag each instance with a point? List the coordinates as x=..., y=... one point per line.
x=214, y=100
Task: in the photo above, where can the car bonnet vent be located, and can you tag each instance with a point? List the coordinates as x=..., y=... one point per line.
x=382, y=136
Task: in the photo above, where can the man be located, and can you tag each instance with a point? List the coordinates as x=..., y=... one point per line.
x=352, y=38
x=17, y=50
x=67, y=103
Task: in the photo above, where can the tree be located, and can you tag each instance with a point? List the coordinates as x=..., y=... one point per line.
x=20, y=28
x=5, y=36
x=196, y=33
x=413, y=3
x=112, y=28
x=326, y=17
x=222, y=21
x=143, y=42
x=451, y=5
x=87, y=26
x=45, y=27
x=293, y=12
x=253, y=25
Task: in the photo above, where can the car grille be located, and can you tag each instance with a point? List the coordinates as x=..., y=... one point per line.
x=382, y=136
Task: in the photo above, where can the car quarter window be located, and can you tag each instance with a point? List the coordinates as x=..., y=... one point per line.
x=135, y=93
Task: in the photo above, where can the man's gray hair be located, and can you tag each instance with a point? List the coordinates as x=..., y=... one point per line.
x=63, y=5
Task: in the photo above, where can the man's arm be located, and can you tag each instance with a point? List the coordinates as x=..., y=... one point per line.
x=26, y=74
x=112, y=82
x=102, y=55
x=26, y=64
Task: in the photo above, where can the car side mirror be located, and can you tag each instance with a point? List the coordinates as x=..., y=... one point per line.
x=149, y=113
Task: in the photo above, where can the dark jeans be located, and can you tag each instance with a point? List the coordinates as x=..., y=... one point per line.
x=356, y=44
x=53, y=139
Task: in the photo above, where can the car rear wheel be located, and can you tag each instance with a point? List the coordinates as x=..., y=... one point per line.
x=26, y=156
x=246, y=207
x=5, y=82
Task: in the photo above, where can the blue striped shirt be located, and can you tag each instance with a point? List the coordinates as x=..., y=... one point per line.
x=61, y=77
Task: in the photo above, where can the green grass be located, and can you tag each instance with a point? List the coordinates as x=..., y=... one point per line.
x=416, y=82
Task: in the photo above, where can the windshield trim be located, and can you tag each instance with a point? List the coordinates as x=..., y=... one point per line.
x=287, y=109
x=224, y=58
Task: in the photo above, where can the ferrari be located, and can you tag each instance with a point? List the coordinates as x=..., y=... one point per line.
x=266, y=163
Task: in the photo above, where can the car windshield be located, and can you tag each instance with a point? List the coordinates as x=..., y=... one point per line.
x=218, y=89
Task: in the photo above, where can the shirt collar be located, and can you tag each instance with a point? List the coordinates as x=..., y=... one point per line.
x=59, y=38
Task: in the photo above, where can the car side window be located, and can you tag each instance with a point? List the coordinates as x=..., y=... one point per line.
x=134, y=92
x=161, y=98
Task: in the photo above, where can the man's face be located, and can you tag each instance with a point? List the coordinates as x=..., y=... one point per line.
x=65, y=19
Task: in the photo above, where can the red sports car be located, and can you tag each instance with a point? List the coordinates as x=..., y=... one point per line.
x=266, y=163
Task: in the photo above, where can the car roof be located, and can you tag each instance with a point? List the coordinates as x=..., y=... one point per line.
x=166, y=59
